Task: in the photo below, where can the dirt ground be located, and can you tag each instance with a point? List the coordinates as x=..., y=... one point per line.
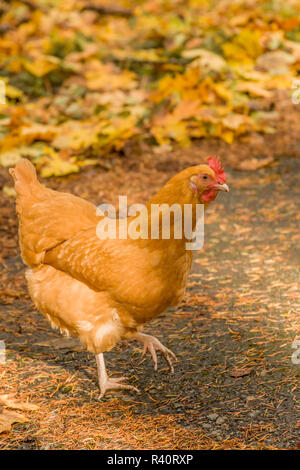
x=235, y=385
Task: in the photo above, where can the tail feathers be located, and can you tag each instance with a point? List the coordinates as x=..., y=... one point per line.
x=24, y=175
x=46, y=217
x=27, y=187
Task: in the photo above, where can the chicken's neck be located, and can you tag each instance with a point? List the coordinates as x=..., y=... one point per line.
x=178, y=207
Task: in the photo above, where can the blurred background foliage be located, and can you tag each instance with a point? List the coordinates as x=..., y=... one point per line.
x=85, y=77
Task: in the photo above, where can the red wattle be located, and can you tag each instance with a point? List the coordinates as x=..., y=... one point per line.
x=209, y=195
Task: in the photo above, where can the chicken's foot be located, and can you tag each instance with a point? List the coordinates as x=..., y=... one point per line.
x=109, y=383
x=153, y=344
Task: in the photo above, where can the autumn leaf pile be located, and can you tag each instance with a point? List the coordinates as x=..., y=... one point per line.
x=82, y=78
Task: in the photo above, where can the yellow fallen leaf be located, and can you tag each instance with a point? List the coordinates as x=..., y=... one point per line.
x=11, y=147
x=244, y=48
x=56, y=166
x=171, y=130
x=9, y=191
x=41, y=67
x=10, y=158
x=89, y=161
x=185, y=109
x=222, y=91
x=13, y=92
x=107, y=77
x=8, y=90
x=78, y=135
x=227, y=136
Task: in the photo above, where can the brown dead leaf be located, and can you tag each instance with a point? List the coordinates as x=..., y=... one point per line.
x=236, y=121
x=8, y=418
x=275, y=61
x=254, y=89
x=240, y=371
x=61, y=343
x=205, y=60
x=253, y=164
x=9, y=402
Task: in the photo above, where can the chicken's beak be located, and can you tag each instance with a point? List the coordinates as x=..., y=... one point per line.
x=221, y=187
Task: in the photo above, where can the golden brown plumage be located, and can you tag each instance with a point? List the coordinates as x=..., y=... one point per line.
x=103, y=290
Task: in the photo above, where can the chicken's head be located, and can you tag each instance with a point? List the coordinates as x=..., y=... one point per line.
x=208, y=180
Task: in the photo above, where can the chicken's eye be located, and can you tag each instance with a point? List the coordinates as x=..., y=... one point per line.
x=204, y=177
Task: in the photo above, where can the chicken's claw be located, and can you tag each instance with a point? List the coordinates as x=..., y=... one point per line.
x=152, y=345
x=113, y=383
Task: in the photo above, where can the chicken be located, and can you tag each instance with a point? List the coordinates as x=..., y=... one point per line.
x=105, y=289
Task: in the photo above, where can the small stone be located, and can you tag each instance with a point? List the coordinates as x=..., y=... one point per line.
x=206, y=425
x=220, y=420
x=213, y=416
x=178, y=406
x=254, y=413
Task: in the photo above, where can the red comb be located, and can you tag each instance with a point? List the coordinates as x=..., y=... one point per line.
x=215, y=164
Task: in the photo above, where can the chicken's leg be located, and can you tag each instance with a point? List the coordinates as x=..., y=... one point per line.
x=109, y=383
x=153, y=344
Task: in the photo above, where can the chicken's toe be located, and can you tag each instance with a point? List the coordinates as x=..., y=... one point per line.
x=113, y=383
x=110, y=383
x=152, y=345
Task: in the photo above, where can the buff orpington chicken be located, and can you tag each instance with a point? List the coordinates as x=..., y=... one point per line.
x=103, y=290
